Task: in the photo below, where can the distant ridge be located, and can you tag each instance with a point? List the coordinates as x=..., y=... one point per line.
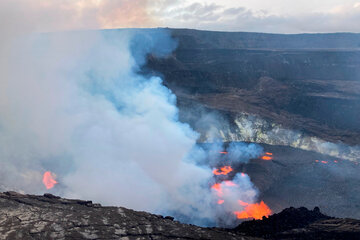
x=190, y=38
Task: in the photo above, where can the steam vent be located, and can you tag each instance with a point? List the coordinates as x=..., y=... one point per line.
x=154, y=119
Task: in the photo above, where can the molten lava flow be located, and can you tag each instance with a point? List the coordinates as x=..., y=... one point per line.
x=267, y=156
x=256, y=210
x=325, y=162
x=223, y=171
x=48, y=180
x=223, y=152
x=221, y=201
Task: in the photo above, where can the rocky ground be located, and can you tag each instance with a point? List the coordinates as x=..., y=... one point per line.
x=51, y=217
x=301, y=223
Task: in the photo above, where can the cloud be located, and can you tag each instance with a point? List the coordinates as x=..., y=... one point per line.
x=125, y=13
x=218, y=17
x=62, y=15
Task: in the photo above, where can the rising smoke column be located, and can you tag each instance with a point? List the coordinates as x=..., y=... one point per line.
x=72, y=103
x=76, y=106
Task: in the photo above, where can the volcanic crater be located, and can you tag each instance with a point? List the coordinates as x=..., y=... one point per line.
x=308, y=84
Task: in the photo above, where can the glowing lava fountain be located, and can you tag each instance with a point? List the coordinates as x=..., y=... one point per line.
x=255, y=210
x=49, y=180
x=249, y=210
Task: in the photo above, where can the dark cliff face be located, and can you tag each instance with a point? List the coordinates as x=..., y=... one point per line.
x=194, y=39
x=307, y=82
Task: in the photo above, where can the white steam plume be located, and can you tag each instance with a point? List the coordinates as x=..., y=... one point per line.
x=73, y=103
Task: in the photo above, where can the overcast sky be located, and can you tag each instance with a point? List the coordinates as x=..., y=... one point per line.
x=276, y=16
x=283, y=16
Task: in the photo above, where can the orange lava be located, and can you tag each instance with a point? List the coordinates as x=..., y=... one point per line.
x=223, y=171
x=221, y=202
x=325, y=162
x=223, y=152
x=48, y=180
x=255, y=211
x=266, y=158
